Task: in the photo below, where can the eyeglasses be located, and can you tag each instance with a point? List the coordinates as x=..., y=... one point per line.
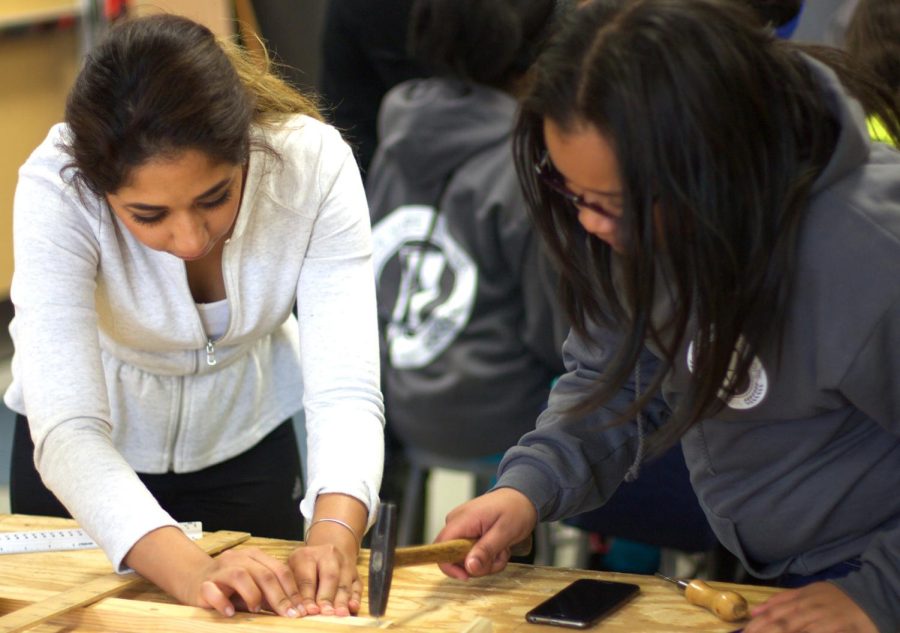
x=554, y=180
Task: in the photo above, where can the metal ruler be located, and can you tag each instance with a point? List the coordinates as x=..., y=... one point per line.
x=59, y=540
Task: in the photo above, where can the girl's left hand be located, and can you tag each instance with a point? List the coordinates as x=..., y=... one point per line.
x=327, y=576
x=817, y=608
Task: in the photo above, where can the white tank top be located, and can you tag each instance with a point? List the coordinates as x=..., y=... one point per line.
x=214, y=317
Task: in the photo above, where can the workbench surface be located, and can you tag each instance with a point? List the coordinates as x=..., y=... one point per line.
x=421, y=599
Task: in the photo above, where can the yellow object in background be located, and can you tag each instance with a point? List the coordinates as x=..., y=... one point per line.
x=878, y=132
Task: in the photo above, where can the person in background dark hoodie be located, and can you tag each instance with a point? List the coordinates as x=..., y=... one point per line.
x=729, y=240
x=471, y=330
x=824, y=21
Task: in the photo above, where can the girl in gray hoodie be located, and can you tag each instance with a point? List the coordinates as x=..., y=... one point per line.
x=729, y=239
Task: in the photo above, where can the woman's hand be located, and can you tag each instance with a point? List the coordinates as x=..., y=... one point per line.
x=325, y=568
x=244, y=578
x=328, y=578
x=817, y=608
x=498, y=520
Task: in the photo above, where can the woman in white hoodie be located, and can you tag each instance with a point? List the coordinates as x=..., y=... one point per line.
x=163, y=234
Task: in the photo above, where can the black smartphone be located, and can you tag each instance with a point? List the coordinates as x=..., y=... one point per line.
x=582, y=603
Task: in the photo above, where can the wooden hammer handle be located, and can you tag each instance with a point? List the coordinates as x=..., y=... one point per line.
x=446, y=552
x=727, y=605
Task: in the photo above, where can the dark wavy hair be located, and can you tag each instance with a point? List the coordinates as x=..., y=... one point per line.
x=161, y=84
x=491, y=42
x=873, y=38
x=720, y=131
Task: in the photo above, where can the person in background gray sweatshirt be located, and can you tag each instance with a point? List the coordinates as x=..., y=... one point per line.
x=471, y=328
x=729, y=239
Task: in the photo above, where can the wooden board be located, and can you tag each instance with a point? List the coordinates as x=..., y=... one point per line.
x=217, y=15
x=57, y=604
x=422, y=598
x=36, y=71
x=28, y=12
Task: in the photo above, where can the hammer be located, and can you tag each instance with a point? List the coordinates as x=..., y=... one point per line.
x=385, y=555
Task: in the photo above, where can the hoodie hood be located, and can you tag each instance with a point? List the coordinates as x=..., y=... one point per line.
x=431, y=126
x=853, y=144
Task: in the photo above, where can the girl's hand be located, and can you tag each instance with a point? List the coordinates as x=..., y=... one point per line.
x=498, y=520
x=328, y=578
x=325, y=568
x=245, y=579
x=817, y=608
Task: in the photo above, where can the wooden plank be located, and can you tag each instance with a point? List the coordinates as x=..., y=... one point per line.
x=215, y=14
x=478, y=625
x=135, y=616
x=27, y=12
x=248, y=27
x=107, y=585
x=422, y=599
x=36, y=71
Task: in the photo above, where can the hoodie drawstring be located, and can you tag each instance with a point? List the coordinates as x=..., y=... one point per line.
x=635, y=469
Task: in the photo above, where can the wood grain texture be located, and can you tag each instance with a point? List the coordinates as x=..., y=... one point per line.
x=422, y=598
x=446, y=552
x=56, y=604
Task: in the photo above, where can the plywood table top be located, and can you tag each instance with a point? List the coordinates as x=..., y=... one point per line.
x=422, y=598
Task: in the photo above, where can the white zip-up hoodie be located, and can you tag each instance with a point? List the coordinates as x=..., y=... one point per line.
x=111, y=359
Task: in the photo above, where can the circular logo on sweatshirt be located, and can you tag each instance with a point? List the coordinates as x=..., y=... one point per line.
x=426, y=280
x=757, y=380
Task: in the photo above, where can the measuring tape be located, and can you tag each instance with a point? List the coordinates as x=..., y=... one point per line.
x=59, y=540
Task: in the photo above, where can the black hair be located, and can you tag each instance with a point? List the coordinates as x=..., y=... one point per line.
x=161, y=84
x=490, y=42
x=720, y=131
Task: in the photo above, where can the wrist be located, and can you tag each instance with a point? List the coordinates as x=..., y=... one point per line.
x=333, y=531
x=338, y=520
x=168, y=559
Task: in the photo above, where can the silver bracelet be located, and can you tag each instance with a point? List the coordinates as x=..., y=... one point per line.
x=330, y=520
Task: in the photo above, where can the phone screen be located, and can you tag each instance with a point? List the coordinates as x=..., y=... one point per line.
x=582, y=603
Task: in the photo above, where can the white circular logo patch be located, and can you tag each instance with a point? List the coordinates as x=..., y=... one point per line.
x=436, y=286
x=758, y=381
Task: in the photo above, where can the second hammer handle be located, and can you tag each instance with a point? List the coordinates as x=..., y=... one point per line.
x=446, y=552
x=727, y=605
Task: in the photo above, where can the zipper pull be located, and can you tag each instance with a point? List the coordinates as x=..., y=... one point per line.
x=210, y=352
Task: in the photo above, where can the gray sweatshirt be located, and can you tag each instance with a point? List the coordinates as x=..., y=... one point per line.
x=471, y=335
x=802, y=470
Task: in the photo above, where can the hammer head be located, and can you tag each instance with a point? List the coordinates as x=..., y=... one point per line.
x=381, y=558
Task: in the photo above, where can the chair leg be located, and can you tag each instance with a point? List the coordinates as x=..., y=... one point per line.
x=581, y=543
x=562, y=545
x=544, y=547
x=413, y=496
